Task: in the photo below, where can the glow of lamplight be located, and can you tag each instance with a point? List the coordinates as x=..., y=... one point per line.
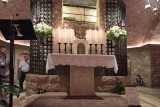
x=95, y=35
x=101, y=35
x=71, y=34
x=65, y=33
x=59, y=34
x=90, y=36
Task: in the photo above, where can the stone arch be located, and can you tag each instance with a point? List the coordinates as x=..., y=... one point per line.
x=81, y=48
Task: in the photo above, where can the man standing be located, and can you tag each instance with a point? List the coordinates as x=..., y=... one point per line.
x=4, y=63
x=24, y=68
x=4, y=69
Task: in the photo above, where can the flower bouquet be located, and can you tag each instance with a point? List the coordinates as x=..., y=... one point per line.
x=115, y=34
x=120, y=88
x=43, y=31
x=40, y=90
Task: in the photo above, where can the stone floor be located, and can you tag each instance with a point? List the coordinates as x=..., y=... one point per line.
x=149, y=97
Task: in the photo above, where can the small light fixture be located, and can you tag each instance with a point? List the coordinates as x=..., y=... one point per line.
x=4, y=2
x=147, y=5
x=155, y=10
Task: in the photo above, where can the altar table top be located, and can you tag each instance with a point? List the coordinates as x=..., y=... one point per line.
x=108, y=61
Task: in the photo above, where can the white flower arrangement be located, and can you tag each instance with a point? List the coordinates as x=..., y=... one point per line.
x=43, y=30
x=116, y=33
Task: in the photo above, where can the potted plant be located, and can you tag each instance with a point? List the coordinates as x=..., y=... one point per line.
x=120, y=88
x=6, y=90
x=39, y=90
x=43, y=31
x=115, y=34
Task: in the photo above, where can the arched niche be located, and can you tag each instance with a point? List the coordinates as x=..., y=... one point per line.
x=81, y=48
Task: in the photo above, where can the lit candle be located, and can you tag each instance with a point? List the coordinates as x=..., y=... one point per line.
x=71, y=34
x=65, y=33
x=90, y=36
x=95, y=35
x=101, y=35
x=59, y=34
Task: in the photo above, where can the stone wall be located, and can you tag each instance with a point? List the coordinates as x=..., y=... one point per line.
x=155, y=64
x=146, y=62
x=106, y=83
x=57, y=83
x=60, y=83
x=81, y=2
x=140, y=64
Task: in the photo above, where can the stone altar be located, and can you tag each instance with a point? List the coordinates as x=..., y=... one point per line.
x=81, y=70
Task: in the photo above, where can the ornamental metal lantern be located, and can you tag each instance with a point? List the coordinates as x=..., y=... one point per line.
x=5, y=2
x=148, y=6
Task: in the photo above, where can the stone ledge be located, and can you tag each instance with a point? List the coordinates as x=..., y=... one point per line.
x=60, y=83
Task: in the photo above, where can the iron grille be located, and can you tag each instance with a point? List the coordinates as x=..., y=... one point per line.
x=115, y=13
x=42, y=10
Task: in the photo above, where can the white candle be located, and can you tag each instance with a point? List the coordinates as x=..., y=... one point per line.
x=95, y=35
x=101, y=36
x=71, y=34
x=59, y=34
x=65, y=33
x=90, y=36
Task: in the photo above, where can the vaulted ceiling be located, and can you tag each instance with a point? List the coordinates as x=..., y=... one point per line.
x=143, y=26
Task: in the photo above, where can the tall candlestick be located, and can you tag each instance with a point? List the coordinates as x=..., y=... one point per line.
x=95, y=35
x=90, y=36
x=65, y=33
x=71, y=34
x=101, y=35
x=59, y=34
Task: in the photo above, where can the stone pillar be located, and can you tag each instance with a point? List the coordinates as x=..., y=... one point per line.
x=82, y=81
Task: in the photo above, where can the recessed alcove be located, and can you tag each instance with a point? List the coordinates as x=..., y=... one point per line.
x=80, y=47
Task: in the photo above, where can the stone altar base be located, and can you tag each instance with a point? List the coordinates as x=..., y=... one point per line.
x=61, y=83
x=82, y=81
